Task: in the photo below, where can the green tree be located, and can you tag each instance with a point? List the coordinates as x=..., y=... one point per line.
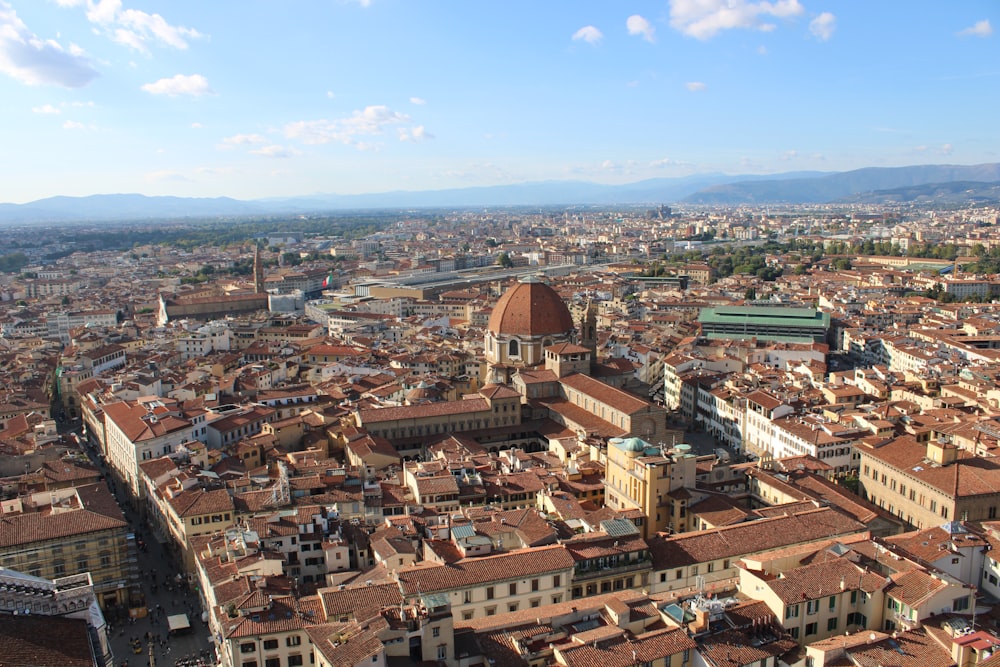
x=13, y=262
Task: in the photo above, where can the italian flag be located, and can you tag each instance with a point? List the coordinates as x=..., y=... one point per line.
x=328, y=280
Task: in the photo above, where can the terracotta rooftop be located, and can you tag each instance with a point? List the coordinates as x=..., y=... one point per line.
x=44, y=641
x=749, y=537
x=530, y=308
x=480, y=571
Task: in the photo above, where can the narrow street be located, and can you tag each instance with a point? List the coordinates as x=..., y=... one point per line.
x=167, y=593
x=169, y=597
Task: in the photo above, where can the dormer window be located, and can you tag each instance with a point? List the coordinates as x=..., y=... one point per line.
x=513, y=349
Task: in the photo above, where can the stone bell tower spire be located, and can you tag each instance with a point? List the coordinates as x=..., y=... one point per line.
x=258, y=271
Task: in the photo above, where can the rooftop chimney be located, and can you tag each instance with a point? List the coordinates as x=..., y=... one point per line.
x=941, y=452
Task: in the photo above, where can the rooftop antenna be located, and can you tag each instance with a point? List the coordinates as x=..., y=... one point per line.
x=973, y=608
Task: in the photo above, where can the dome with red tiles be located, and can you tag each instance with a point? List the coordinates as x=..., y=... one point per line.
x=530, y=308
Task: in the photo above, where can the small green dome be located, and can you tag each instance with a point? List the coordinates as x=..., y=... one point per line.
x=635, y=445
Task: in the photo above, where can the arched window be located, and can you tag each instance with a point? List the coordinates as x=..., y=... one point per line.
x=512, y=348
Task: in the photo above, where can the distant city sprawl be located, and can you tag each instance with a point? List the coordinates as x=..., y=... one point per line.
x=557, y=436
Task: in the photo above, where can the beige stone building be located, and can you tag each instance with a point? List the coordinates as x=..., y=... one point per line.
x=652, y=479
x=59, y=533
x=929, y=484
x=707, y=560
x=479, y=587
x=846, y=588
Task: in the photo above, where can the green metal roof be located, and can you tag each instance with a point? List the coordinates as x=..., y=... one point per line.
x=763, y=336
x=765, y=316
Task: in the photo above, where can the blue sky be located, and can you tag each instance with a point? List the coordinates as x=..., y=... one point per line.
x=264, y=98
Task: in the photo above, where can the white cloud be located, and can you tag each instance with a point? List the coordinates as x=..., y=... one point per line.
x=133, y=28
x=330, y=95
x=946, y=149
x=215, y=171
x=762, y=50
x=180, y=84
x=102, y=11
x=129, y=39
x=73, y=125
x=415, y=134
x=920, y=149
x=626, y=168
x=371, y=121
x=418, y=101
x=589, y=34
x=35, y=61
x=46, y=109
x=789, y=155
x=82, y=104
x=243, y=140
x=823, y=26
x=695, y=86
x=703, y=19
x=980, y=29
x=668, y=162
x=275, y=150
x=152, y=28
x=637, y=25
x=196, y=125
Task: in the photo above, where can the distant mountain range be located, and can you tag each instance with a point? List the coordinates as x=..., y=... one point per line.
x=931, y=183
x=955, y=192
x=841, y=186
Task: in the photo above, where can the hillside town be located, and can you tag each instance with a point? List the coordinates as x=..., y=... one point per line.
x=716, y=437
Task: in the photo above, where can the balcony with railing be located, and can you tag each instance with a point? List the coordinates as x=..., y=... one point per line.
x=604, y=567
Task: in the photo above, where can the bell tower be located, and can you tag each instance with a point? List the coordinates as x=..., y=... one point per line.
x=258, y=271
x=588, y=330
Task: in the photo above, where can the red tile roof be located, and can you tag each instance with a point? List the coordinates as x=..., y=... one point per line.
x=95, y=516
x=623, y=651
x=748, y=538
x=378, y=415
x=530, y=309
x=478, y=571
x=44, y=641
x=605, y=393
x=134, y=422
